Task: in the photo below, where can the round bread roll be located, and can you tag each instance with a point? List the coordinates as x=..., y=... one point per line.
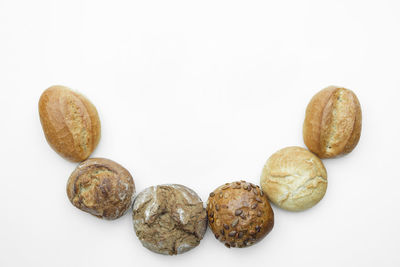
x=102, y=188
x=239, y=214
x=294, y=179
x=70, y=122
x=169, y=219
x=332, y=125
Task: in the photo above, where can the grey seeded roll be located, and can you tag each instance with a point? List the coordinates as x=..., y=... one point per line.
x=169, y=219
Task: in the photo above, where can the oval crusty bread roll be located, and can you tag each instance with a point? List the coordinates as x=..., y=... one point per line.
x=102, y=188
x=239, y=214
x=70, y=122
x=294, y=179
x=332, y=125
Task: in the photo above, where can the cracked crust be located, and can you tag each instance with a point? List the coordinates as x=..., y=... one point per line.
x=332, y=125
x=294, y=179
x=102, y=188
x=169, y=219
x=70, y=122
x=239, y=214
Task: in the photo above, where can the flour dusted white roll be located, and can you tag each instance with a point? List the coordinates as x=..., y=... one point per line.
x=294, y=179
x=169, y=219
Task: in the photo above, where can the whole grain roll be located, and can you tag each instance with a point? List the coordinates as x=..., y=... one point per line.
x=102, y=188
x=169, y=219
x=70, y=122
x=332, y=125
x=294, y=179
x=239, y=214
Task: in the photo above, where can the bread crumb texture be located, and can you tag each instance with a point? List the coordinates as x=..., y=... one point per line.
x=239, y=214
x=102, y=188
x=169, y=219
x=294, y=179
x=70, y=122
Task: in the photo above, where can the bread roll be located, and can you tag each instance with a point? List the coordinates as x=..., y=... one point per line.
x=239, y=214
x=294, y=179
x=169, y=219
x=102, y=188
x=70, y=122
x=332, y=125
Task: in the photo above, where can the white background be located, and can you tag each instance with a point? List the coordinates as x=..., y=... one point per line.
x=199, y=93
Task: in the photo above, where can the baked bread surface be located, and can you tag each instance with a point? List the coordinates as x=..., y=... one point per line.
x=102, y=188
x=239, y=214
x=332, y=125
x=294, y=179
x=70, y=122
x=169, y=219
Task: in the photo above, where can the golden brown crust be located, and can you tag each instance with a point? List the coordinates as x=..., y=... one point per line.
x=101, y=187
x=239, y=214
x=294, y=179
x=332, y=125
x=70, y=122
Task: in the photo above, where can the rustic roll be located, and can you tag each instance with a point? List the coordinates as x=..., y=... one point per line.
x=102, y=188
x=239, y=214
x=169, y=219
x=332, y=125
x=70, y=122
x=294, y=179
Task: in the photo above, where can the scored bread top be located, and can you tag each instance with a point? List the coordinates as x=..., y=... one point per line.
x=332, y=125
x=70, y=122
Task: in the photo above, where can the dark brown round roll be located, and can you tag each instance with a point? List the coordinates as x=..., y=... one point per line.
x=102, y=188
x=239, y=214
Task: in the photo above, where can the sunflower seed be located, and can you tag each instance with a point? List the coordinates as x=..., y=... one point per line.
x=235, y=222
x=238, y=212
